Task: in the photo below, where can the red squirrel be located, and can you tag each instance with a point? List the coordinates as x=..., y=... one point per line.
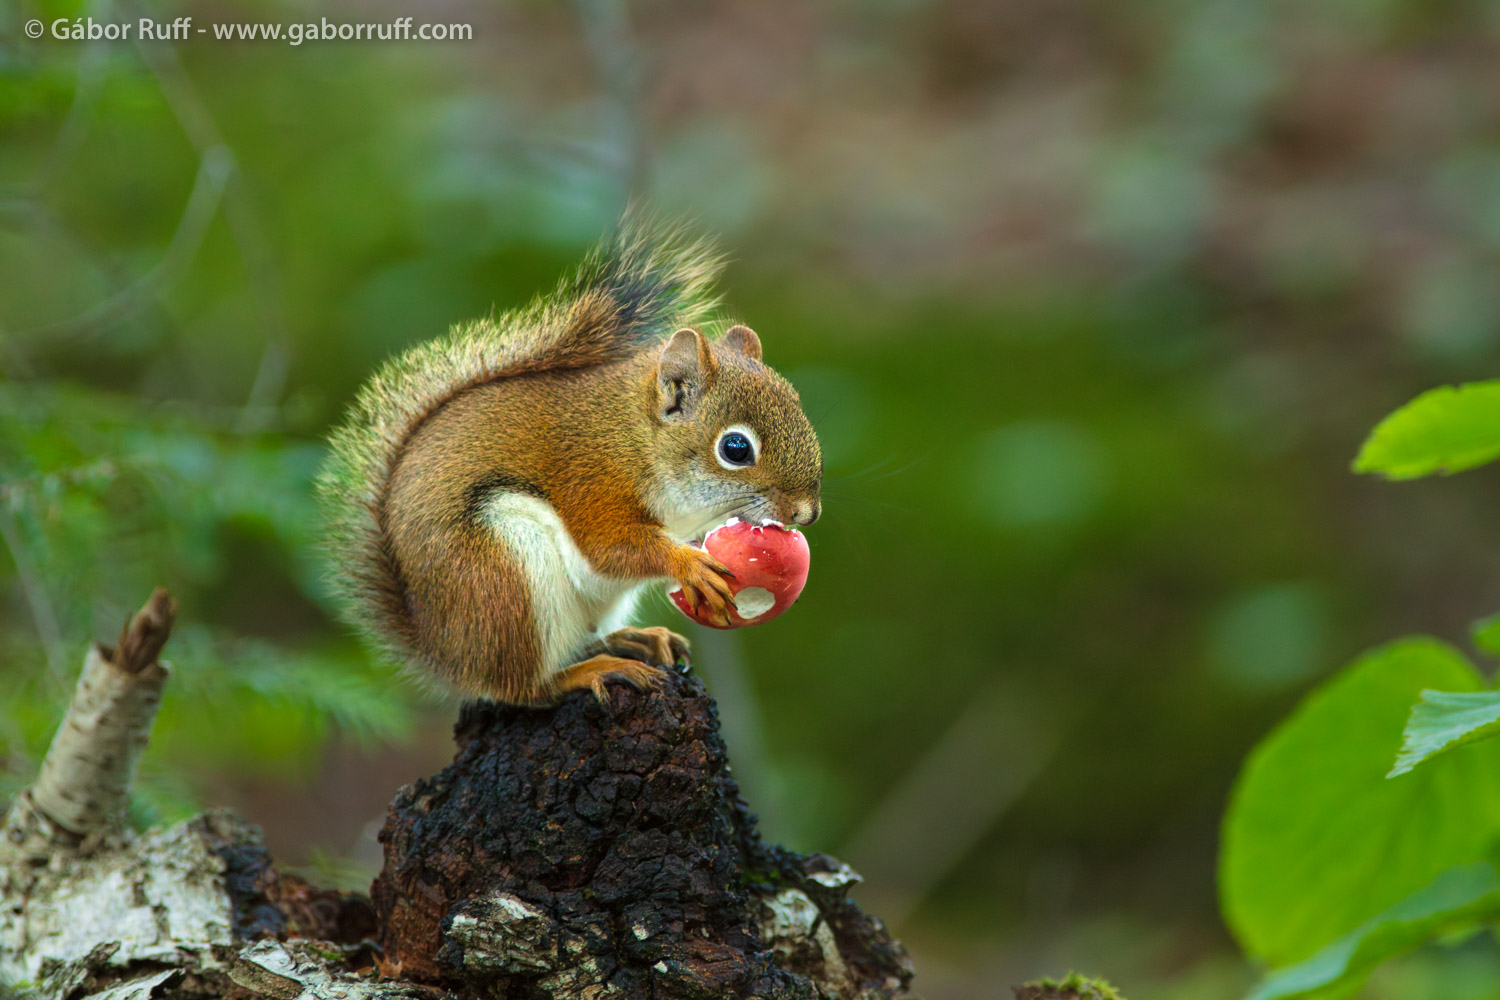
x=499, y=498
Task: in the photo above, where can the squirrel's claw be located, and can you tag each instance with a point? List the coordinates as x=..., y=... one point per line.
x=719, y=600
x=703, y=580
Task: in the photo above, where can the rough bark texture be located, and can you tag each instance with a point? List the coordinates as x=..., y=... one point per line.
x=603, y=851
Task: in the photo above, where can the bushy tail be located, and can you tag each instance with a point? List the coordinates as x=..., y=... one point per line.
x=638, y=286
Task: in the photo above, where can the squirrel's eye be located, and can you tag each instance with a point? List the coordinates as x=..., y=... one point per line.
x=736, y=449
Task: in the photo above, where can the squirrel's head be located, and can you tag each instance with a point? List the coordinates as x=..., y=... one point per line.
x=733, y=440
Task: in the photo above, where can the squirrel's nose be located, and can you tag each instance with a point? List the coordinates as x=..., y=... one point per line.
x=807, y=512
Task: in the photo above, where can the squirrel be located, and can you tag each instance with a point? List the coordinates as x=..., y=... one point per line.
x=500, y=498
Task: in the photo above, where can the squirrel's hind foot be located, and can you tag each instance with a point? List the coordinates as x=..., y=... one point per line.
x=656, y=644
x=591, y=674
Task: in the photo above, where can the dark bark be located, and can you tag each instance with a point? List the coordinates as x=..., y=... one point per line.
x=143, y=637
x=266, y=903
x=593, y=850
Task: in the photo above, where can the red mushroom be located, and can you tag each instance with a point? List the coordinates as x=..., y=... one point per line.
x=769, y=564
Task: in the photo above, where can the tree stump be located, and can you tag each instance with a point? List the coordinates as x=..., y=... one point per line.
x=602, y=850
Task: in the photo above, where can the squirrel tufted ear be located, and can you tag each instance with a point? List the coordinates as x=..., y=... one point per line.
x=743, y=339
x=686, y=365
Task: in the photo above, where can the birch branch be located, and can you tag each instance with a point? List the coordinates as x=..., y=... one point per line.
x=85, y=779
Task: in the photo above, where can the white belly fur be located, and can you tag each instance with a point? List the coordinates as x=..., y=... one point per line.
x=571, y=603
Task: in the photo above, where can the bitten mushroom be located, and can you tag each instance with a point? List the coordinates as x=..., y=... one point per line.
x=769, y=564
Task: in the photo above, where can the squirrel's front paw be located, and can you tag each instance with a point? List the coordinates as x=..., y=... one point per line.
x=704, y=579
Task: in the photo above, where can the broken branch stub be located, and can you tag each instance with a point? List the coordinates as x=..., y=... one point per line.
x=85, y=779
x=144, y=634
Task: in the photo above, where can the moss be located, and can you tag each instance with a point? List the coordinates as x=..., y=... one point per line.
x=1070, y=987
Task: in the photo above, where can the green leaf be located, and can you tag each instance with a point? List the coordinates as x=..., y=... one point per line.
x=1486, y=634
x=1448, y=429
x=1442, y=720
x=1316, y=840
x=1459, y=899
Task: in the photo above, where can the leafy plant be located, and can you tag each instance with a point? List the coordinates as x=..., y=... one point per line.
x=1444, y=720
x=1448, y=429
x=1349, y=840
x=101, y=499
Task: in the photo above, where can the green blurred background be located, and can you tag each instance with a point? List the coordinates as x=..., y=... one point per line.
x=1091, y=304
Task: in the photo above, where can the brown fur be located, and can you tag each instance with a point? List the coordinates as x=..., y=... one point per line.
x=420, y=564
x=591, y=437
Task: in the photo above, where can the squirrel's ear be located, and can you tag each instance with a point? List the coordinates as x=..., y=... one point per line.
x=685, y=367
x=743, y=339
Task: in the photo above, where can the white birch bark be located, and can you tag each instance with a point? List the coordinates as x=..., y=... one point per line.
x=85, y=779
x=136, y=921
x=84, y=783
